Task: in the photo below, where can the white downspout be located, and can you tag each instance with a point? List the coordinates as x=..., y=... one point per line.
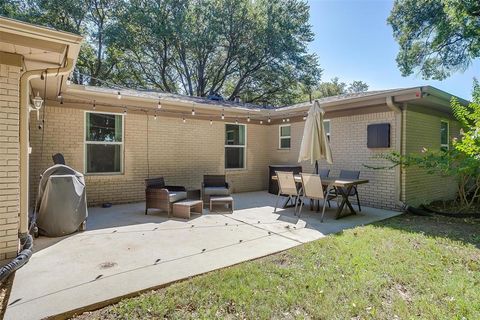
x=398, y=146
x=24, y=130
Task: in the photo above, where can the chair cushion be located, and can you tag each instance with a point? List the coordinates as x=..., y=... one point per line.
x=177, y=196
x=216, y=191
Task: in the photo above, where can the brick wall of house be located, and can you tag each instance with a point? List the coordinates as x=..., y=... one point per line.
x=423, y=131
x=349, y=151
x=181, y=152
x=9, y=160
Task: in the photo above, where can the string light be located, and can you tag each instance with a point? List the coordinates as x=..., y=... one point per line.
x=248, y=119
x=236, y=121
x=193, y=111
x=159, y=105
x=261, y=121
x=288, y=119
x=184, y=120
x=269, y=120
x=304, y=117
x=69, y=82
x=119, y=95
x=94, y=106
x=155, y=116
x=223, y=114
x=283, y=120
x=211, y=121
x=125, y=111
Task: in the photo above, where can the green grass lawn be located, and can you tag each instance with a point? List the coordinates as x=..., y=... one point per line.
x=405, y=267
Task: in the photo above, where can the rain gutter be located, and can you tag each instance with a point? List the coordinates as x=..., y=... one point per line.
x=24, y=132
x=399, y=132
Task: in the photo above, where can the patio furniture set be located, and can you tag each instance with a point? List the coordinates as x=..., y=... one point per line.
x=181, y=203
x=316, y=187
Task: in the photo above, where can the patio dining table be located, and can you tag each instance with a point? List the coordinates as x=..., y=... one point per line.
x=343, y=188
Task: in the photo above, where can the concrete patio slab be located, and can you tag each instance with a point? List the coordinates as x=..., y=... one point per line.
x=125, y=252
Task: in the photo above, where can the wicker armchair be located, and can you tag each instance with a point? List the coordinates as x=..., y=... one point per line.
x=160, y=196
x=214, y=185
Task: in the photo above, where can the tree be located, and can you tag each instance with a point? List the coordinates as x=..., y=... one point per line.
x=253, y=49
x=436, y=37
x=461, y=162
x=357, y=86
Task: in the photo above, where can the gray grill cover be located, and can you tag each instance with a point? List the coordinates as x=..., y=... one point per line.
x=61, y=201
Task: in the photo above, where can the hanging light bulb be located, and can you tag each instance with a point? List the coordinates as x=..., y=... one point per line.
x=94, y=106
x=283, y=120
x=69, y=82
x=261, y=121
x=211, y=121
x=155, y=116
x=159, y=105
x=223, y=114
x=125, y=111
x=193, y=111
x=236, y=121
x=269, y=120
x=304, y=117
x=184, y=120
x=248, y=119
x=119, y=95
x=288, y=119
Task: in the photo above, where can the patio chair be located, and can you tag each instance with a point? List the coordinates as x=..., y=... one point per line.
x=313, y=190
x=353, y=175
x=214, y=185
x=287, y=187
x=160, y=196
x=324, y=173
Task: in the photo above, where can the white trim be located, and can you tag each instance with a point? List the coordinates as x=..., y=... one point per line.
x=280, y=137
x=85, y=143
x=329, y=133
x=244, y=146
x=443, y=145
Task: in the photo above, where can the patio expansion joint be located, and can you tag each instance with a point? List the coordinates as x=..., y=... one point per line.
x=19, y=302
x=270, y=232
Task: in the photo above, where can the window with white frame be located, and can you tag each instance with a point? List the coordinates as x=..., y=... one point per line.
x=326, y=125
x=103, y=142
x=284, y=136
x=444, y=134
x=235, y=141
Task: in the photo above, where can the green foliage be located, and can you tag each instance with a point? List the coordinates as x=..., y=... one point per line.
x=436, y=37
x=461, y=162
x=254, y=49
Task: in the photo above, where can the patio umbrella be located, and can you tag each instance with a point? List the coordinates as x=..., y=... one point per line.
x=315, y=145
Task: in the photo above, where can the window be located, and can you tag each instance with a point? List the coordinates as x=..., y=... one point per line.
x=235, y=137
x=284, y=137
x=444, y=134
x=326, y=125
x=103, y=143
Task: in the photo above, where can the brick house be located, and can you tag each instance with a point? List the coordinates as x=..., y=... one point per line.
x=182, y=138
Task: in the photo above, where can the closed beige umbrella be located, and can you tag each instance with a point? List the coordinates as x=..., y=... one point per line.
x=315, y=145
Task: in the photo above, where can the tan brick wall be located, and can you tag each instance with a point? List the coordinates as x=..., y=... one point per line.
x=9, y=161
x=181, y=152
x=349, y=150
x=423, y=130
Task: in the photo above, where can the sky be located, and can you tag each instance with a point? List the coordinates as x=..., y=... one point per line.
x=354, y=42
